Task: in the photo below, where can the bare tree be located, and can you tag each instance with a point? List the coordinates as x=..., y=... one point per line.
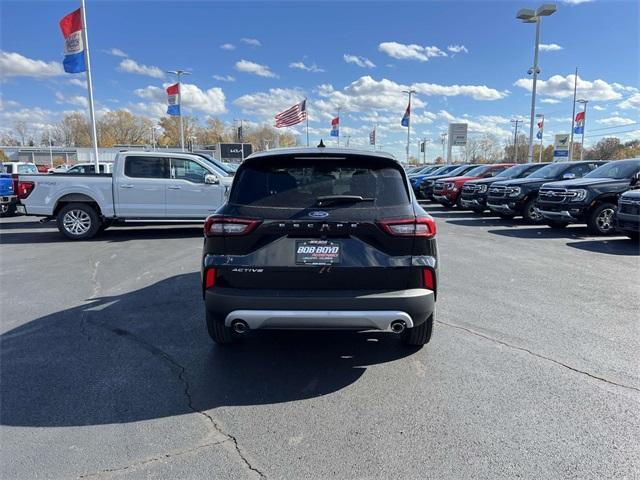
x=21, y=130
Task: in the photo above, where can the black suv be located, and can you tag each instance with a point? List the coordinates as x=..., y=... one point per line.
x=518, y=196
x=320, y=238
x=592, y=200
x=474, y=192
x=628, y=214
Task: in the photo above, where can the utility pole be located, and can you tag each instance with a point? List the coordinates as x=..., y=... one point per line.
x=515, y=140
x=410, y=92
x=444, y=140
x=179, y=74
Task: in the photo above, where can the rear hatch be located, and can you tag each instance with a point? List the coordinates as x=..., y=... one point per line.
x=323, y=221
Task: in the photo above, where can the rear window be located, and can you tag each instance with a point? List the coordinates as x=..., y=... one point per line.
x=298, y=183
x=27, y=169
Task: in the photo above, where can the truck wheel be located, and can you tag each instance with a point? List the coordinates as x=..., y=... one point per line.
x=601, y=220
x=7, y=210
x=419, y=335
x=531, y=213
x=78, y=221
x=217, y=330
x=557, y=223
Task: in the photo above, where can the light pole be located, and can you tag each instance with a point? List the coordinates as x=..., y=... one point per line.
x=50, y=146
x=153, y=136
x=584, y=121
x=410, y=92
x=531, y=16
x=515, y=140
x=179, y=74
x=541, y=135
x=444, y=140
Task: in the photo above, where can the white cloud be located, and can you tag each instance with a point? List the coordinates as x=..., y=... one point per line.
x=224, y=78
x=576, y=2
x=131, y=66
x=457, y=49
x=267, y=104
x=251, y=41
x=307, y=68
x=599, y=108
x=562, y=87
x=28, y=115
x=410, y=52
x=228, y=46
x=211, y=101
x=631, y=102
x=78, y=83
x=488, y=124
x=359, y=61
x=4, y=104
x=116, y=52
x=77, y=100
x=616, y=121
x=477, y=92
x=255, y=69
x=15, y=65
x=551, y=101
x=550, y=47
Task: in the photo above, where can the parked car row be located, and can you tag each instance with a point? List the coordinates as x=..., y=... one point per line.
x=555, y=194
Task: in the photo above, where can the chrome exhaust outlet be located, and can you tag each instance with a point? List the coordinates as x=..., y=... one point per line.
x=240, y=326
x=398, y=326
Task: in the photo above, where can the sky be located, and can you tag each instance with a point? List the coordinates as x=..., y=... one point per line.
x=468, y=62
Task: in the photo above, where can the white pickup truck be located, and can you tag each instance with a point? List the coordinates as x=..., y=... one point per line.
x=143, y=186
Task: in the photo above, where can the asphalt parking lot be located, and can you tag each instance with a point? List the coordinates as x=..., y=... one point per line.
x=107, y=370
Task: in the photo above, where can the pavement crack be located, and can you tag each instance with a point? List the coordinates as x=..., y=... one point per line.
x=151, y=460
x=187, y=387
x=537, y=355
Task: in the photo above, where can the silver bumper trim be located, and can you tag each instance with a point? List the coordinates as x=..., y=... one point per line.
x=470, y=203
x=500, y=207
x=562, y=215
x=319, y=319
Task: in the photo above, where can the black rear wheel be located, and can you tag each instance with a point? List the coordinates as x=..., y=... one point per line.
x=531, y=213
x=7, y=210
x=419, y=335
x=218, y=332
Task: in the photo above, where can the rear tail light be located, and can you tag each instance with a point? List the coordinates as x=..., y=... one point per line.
x=215, y=226
x=428, y=279
x=210, y=278
x=410, y=227
x=24, y=189
x=14, y=178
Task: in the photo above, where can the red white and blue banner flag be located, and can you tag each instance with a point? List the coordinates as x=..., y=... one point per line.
x=335, y=127
x=540, y=129
x=71, y=26
x=173, y=100
x=407, y=115
x=579, y=128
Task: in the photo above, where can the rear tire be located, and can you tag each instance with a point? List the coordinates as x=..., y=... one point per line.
x=601, y=220
x=7, y=210
x=557, y=223
x=78, y=221
x=419, y=335
x=218, y=332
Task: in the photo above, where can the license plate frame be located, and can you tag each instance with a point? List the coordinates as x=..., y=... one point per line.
x=318, y=252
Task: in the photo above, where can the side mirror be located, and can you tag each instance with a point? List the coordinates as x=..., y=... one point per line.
x=568, y=176
x=211, y=179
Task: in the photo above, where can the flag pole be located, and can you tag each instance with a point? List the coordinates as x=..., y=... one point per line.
x=573, y=114
x=92, y=113
x=339, y=126
x=306, y=114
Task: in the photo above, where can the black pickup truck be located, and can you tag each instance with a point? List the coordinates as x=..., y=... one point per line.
x=628, y=214
x=592, y=200
x=518, y=196
x=474, y=193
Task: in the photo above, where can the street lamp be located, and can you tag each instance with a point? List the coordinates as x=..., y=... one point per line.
x=153, y=136
x=584, y=121
x=531, y=16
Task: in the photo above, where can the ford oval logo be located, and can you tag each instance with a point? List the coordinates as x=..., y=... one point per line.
x=318, y=214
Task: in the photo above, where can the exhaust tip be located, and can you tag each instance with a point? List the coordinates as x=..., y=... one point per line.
x=398, y=326
x=239, y=326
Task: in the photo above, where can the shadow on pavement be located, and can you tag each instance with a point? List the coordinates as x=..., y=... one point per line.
x=13, y=225
x=113, y=234
x=146, y=355
x=622, y=246
x=544, y=232
x=488, y=221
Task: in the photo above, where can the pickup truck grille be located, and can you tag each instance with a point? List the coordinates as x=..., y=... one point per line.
x=470, y=188
x=438, y=186
x=555, y=195
x=631, y=207
x=498, y=192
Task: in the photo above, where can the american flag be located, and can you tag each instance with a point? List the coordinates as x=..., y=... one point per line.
x=292, y=116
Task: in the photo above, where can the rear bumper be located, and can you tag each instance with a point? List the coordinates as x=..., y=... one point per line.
x=304, y=309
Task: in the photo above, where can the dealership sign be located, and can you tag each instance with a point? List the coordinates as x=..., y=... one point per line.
x=233, y=151
x=457, y=134
x=561, y=147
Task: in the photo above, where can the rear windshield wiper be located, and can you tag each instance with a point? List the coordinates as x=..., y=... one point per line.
x=327, y=199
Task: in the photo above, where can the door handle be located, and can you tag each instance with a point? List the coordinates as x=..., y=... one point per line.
x=126, y=185
x=174, y=187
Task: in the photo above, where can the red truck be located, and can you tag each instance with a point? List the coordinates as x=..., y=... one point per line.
x=446, y=191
